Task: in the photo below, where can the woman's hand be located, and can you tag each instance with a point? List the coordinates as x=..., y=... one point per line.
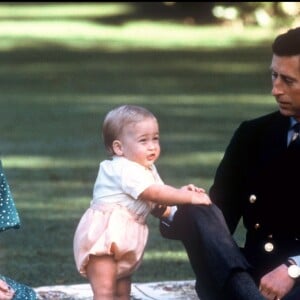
x=6, y=292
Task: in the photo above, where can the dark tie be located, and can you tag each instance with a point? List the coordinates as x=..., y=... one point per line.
x=295, y=141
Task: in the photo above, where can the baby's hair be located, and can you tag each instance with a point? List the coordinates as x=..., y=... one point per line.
x=119, y=117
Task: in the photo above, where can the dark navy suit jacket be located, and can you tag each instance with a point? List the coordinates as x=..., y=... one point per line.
x=258, y=179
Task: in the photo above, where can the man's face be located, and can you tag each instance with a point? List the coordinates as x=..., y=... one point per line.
x=286, y=84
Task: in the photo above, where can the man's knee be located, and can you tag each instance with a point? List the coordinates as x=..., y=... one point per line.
x=201, y=215
x=190, y=219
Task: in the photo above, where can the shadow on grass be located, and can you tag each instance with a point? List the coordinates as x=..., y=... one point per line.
x=52, y=105
x=144, y=72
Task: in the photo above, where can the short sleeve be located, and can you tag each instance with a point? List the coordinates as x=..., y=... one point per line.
x=135, y=179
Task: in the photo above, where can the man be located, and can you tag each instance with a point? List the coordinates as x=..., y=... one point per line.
x=257, y=180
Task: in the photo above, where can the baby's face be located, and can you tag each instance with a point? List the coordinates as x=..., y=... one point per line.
x=140, y=142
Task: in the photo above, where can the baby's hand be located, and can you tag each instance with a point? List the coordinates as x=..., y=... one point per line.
x=201, y=198
x=193, y=188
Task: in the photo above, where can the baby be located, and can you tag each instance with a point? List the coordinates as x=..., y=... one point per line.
x=111, y=236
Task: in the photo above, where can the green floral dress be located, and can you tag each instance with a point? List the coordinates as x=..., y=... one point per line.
x=9, y=218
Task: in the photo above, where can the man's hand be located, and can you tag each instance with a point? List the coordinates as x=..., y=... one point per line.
x=276, y=284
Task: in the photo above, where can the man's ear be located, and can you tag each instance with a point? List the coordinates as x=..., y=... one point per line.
x=117, y=147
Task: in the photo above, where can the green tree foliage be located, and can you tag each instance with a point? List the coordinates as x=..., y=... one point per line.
x=265, y=14
x=258, y=13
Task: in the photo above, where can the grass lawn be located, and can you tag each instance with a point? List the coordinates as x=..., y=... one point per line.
x=59, y=75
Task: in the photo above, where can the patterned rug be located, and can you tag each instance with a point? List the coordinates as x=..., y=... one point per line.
x=166, y=290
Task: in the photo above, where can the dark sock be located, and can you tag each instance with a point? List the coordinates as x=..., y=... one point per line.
x=241, y=286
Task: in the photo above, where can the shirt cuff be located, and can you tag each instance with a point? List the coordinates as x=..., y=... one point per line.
x=296, y=259
x=172, y=213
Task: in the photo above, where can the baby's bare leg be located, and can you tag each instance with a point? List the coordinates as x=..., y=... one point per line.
x=102, y=272
x=123, y=288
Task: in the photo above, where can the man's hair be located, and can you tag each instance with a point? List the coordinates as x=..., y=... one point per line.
x=288, y=43
x=119, y=117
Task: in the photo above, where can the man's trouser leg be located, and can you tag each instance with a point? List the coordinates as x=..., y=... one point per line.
x=212, y=252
